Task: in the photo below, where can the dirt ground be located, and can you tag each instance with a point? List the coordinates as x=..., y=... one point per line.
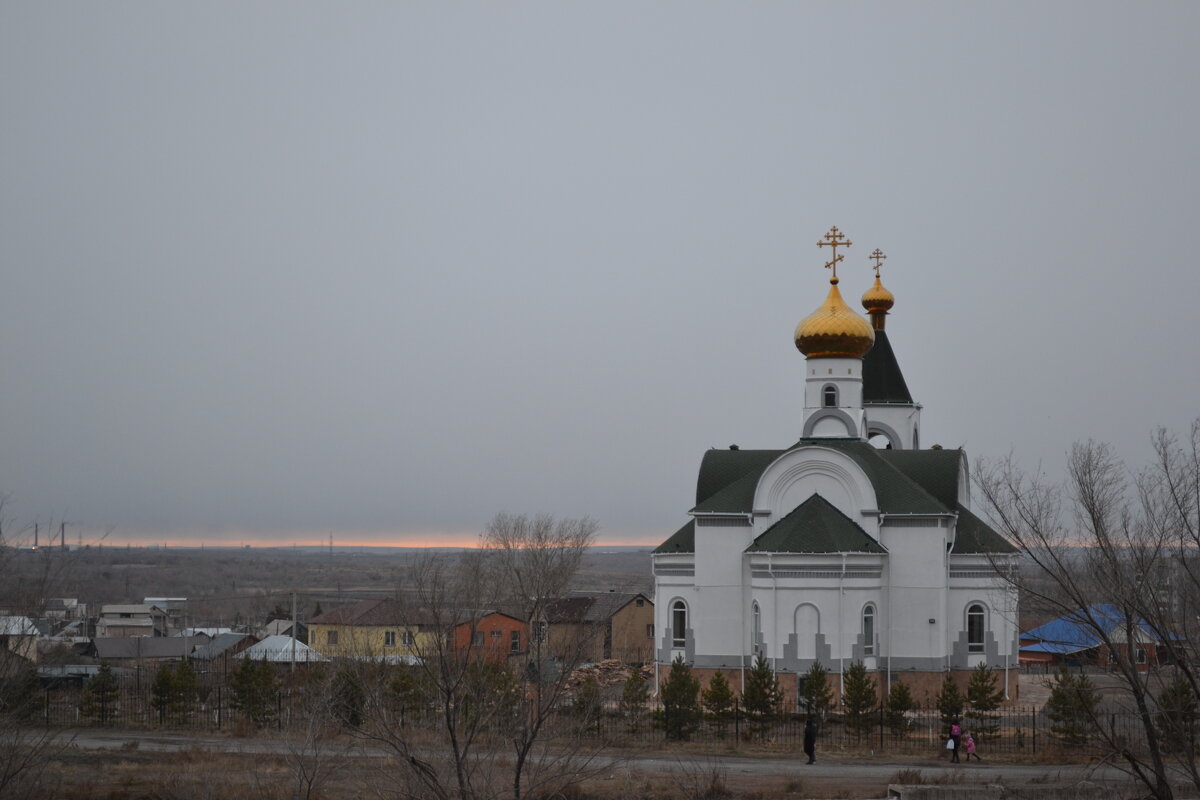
x=131, y=773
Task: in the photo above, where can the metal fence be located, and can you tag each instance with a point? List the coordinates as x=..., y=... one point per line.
x=1008, y=732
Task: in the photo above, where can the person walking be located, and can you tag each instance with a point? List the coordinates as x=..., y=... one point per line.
x=970, y=744
x=955, y=739
x=810, y=740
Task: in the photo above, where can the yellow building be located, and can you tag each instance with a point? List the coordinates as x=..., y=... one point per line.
x=379, y=628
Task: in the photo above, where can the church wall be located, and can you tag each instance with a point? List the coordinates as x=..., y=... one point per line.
x=720, y=594
x=915, y=592
x=901, y=424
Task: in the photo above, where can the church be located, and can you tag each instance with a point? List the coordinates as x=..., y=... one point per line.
x=850, y=544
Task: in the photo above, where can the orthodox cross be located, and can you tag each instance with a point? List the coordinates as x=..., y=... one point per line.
x=834, y=240
x=879, y=257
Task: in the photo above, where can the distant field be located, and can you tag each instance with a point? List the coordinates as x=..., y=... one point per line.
x=230, y=584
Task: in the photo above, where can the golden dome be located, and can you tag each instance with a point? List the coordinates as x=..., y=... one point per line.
x=834, y=330
x=878, y=299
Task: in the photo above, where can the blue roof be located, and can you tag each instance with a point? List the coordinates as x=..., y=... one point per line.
x=1078, y=630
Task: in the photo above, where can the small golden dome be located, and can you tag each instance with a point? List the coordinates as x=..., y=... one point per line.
x=834, y=330
x=878, y=299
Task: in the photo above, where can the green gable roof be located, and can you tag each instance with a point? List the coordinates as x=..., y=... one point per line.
x=682, y=541
x=973, y=536
x=719, y=468
x=815, y=527
x=883, y=382
x=935, y=471
x=905, y=482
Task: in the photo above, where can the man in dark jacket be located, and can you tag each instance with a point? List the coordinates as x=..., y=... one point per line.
x=810, y=740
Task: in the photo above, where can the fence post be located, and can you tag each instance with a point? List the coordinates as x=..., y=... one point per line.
x=881, y=726
x=218, y=708
x=1035, y=729
x=47, y=707
x=279, y=709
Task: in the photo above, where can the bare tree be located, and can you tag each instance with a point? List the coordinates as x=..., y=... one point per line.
x=1115, y=551
x=464, y=723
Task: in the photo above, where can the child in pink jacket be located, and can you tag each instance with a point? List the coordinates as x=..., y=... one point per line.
x=971, y=747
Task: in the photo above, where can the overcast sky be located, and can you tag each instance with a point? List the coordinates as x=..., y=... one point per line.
x=274, y=270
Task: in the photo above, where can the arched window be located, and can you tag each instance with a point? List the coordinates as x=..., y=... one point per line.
x=868, y=630
x=678, y=624
x=830, y=393
x=975, y=628
x=757, y=627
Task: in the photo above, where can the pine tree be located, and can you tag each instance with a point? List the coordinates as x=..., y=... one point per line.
x=587, y=700
x=860, y=699
x=949, y=701
x=718, y=697
x=681, y=710
x=762, y=697
x=1071, y=706
x=100, y=695
x=253, y=688
x=186, y=688
x=899, y=702
x=161, y=688
x=21, y=695
x=817, y=693
x=1176, y=718
x=348, y=697
x=984, y=696
x=633, y=700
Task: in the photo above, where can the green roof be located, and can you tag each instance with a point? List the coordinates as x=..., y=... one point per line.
x=895, y=492
x=719, y=468
x=682, y=541
x=815, y=527
x=935, y=471
x=905, y=482
x=973, y=536
x=883, y=382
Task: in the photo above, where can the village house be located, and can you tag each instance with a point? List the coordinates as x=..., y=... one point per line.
x=124, y=620
x=494, y=637
x=597, y=626
x=1074, y=640
x=378, y=628
x=18, y=637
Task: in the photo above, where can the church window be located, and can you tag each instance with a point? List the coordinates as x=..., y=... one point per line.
x=868, y=630
x=678, y=624
x=975, y=627
x=831, y=398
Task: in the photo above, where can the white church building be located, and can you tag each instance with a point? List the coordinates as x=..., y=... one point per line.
x=852, y=543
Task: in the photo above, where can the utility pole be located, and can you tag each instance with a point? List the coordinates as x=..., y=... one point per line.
x=62, y=535
x=35, y=536
x=295, y=631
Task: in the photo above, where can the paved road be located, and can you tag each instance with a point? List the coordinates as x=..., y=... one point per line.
x=764, y=766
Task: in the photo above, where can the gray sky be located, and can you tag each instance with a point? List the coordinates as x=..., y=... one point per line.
x=271, y=270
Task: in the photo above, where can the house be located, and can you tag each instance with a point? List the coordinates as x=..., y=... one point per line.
x=217, y=654
x=18, y=637
x=133, y=650
x=174, y=607
x=493, y=637
x=131, y=620
x=849, y=544
x=281, y=650
x=378, y=628
x=65, y=608
x=1075, y=639
x=603, y=625
x=282, y=627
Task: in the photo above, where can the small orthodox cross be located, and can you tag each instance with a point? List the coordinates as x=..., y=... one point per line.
x=879, y=257
x=834, y=240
